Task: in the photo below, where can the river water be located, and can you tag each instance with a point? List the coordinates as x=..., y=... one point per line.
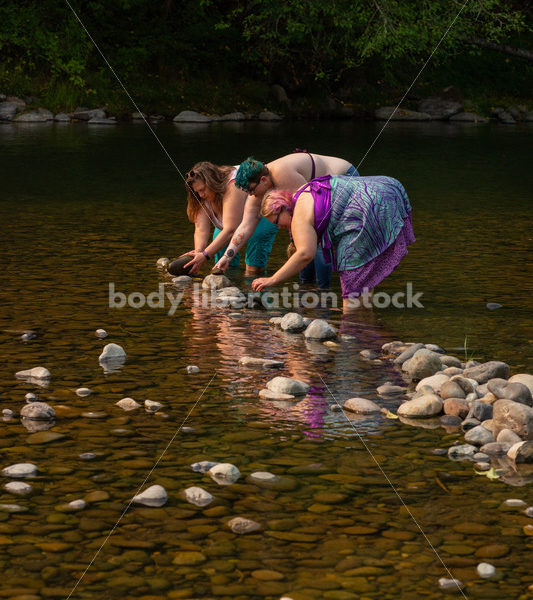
x=82, y=208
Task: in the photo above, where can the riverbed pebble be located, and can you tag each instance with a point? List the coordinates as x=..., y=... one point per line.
x=456, y=407
x=495, y=448
x=154, y=496
x=37, y=373
x=162, y=262
x=20, y=470
x=152, y=406
x=480, y=411
x=250, y=361
x=361, y=406
x=224, y=473
x=286, y=385
x=270, y=395
x=181, y=280
x=7, y=413
x=215, y=282
x=514, y=503
x=242, y=526
x=485, y=570
x=101, y=334
x=479, y=436
x=31, y=397
x=112, y=353
x=428, y=405
x=407, y=354
x=197, y=496
x=292, y=322
x=18, y=488
x=389, y=389
x=203, y=466
x=450, y=585
x=462, y=452
x=192, y=369
x=521, y=452
x=78, y=504
x=38, y=411
x=83, y=392
x=128, y=404
x=451, y=389
x=320, y=330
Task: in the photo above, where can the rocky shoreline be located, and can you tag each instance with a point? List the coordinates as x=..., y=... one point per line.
x=448, y=105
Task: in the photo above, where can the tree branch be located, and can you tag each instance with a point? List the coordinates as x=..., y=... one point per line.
x=504, y=48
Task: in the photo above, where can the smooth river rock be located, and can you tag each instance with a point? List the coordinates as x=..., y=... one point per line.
x=514, y=416
x=38, y=411
x=451, y=389
x=154, y=496
x=462, y=452
x=215, y=282
x=524, y=378
x=242, y=526
x=35, y=373
x=486, y=371
x=518, y=392
x=428, y=405
x=479, y=436
x=321, y=330
x=435, y=382
x=83, y=392
x=292, y=322
x=424, y=363
x=384, y=113
x=197, y=496
x=112, y=353
x=521, y=452
x=486, y=570
x=267, y=363
x=18, y=488
x=224, y=473
x=101, y=334
x=286, y=385
x=192, y=369
x=20, y=470
x=362, y=406
x=203, y=466
x=128, y=404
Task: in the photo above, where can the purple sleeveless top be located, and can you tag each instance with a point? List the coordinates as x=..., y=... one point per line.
x=320, y=189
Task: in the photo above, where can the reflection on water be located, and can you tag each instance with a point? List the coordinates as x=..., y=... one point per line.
x=82, y=207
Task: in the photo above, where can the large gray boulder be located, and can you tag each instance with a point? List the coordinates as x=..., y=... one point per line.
x=423, y=363
x=514, y=416
x=8, y=110
x=191, y=116
x=440, y=108
x=33, y=116
x=267, y=115
x=234, y=116
x=468, y=117
x=384, y=113
x=486, y=371
x=84, y=114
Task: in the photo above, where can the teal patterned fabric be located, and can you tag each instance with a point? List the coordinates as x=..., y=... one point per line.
x=367, y=214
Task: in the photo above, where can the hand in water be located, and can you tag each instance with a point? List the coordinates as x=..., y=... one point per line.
x=222, y=264
x=261, y=283
x=196, y=263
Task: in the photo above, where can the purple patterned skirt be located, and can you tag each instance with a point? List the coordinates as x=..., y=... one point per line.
x=355, y=281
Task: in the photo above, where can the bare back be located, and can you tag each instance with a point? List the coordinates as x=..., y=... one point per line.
x=300, y=163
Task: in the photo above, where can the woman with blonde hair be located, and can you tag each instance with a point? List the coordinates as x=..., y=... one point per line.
x=361, y=224
x=213, y=199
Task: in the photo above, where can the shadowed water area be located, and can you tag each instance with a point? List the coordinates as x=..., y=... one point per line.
x=81, y=208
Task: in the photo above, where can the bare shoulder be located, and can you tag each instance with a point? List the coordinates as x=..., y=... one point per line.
x=305, y=208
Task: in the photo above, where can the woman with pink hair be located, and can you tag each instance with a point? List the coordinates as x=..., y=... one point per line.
x=361, y=224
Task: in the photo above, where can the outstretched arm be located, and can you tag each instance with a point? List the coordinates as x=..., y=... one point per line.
x=305, y=240
x=243, y=232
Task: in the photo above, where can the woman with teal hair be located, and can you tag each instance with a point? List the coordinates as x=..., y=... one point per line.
x=289, y=173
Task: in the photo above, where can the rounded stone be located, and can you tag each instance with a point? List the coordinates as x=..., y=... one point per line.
x=189, y=558
x=424, y=363
x=320, y=330
x=286, y=385
x=101, y=334
x=83, y=392
x=20, y=470
x=113, y=353
x=128, y=404
x=428, y=405
x=361, y=406
x=18, y=488
x=154, y=496
x=224, y=473
x=486, y=570
x=192, y=369
x=197, y=496
x=242, y=526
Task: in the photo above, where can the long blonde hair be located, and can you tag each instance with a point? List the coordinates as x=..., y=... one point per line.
x=215, y=178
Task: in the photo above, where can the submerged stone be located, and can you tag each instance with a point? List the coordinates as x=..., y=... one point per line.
x=154, y=496
x=242, y=526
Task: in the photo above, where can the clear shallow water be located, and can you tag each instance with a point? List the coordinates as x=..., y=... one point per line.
x=84, y=207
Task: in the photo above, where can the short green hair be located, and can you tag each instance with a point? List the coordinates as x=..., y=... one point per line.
x=249, y=171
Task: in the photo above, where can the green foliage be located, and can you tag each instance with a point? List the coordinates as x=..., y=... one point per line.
x=204, y=49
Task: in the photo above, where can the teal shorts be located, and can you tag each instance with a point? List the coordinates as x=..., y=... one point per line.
x=258, y=247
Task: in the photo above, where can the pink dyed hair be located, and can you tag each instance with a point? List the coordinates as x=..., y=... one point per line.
x=275, y=201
